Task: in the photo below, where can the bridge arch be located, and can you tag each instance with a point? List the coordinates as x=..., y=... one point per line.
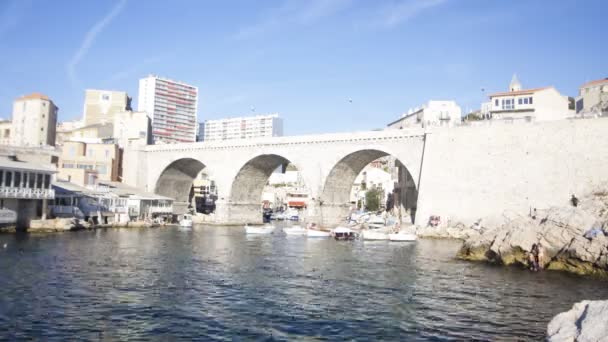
x=334, y=201
x=176, y=180
x=247, y=186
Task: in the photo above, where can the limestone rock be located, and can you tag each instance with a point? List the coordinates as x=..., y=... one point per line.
x=586, y=321
x=561, y=232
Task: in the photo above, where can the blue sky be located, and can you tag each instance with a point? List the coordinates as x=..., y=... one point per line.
x=301, y=58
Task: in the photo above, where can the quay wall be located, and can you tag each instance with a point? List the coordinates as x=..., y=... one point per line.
x=479, y=172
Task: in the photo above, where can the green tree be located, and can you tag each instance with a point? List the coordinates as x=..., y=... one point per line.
x=372, y=200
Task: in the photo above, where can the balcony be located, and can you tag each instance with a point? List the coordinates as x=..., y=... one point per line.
x=26, y=193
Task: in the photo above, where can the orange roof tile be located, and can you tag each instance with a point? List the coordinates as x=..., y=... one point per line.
x=519, y=92
x=596, y=82
x=34, y=96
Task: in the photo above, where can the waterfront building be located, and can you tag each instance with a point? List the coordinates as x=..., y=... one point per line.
x=244, y=127
x=433, y=113
x=25, y=189
x=5, y=132
x=88, y=163
x=371, y=177
x=100, y=106
x=107, y=202
x=593, y=98
x=536, y=104
x=34, y=121
x=172, y=106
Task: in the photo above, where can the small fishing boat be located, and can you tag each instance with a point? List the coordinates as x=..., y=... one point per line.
x=343, y=233
x=295, y=230
x=374, y=235
x=259, y=229
x=402, y=236
x=186, y=221
x=317, y=233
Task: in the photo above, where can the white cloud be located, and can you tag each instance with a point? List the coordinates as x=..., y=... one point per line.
x=293, y=12
x=405, y=10
x=89, y=39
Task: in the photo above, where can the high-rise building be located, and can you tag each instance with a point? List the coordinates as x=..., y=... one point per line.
x=100, y=106
x=172, y=107
x=34, y=121
x=244, y=127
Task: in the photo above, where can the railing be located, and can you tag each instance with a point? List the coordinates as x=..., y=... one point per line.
x=160, y=209
x=26, y=193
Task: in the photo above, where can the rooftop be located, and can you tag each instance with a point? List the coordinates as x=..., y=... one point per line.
x=34, y=96
x=519, y=92
x=596, y=82
x=10, y=162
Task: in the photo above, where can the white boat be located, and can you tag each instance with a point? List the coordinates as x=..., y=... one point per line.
x=374, y=235
x=343, y=233
x=260, y=229
x=7, y=217
x=376, y=222
x=402, y=237
x=186, y=221
x=295, y=230
x=317, y=233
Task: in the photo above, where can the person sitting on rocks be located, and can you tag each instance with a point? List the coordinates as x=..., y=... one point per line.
x=540, y=256
x=574, y=200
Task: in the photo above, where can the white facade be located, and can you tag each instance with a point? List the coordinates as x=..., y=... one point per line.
x=244, y=127
x=433, y=113
x=34, y=121
x=373, y=178
x=132, y=128
x=538, y=104
x=5, y=132
x=172, y=106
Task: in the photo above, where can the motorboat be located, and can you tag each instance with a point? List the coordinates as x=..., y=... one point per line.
x=314, y=233
x=343, y=233
x=259, y=229
x=374, y=235
x=402, y=236
x=376, y=222
x=186, y=221
x=294, y=230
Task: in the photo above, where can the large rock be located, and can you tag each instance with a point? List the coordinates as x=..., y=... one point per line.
x=561, y=232
x=586, y=321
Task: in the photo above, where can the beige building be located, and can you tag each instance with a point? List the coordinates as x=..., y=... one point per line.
x=593, y=98
x=132, y=128
x=100, y=106
x=34, y=121
x=87, y=163
x=538, y=104
x=5, y=132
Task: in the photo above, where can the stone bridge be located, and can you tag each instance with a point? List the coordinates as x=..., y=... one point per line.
x=461, y=174
x=328, y=165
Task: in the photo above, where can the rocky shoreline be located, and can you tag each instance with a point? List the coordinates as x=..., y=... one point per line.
x=575, y=239
x=586, y=321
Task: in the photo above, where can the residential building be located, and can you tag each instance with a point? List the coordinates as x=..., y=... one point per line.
x=200, y=134
x=371, y=178
x=244, y=127
x=100, y=106
x=95, y=133
x=537, y=104
x=132, y=128
x=593, y=98
x=34, y=121
x=25, y=189
x=5, y=132
x=64, y=129
x=433, y=113
x=172, y=106
x=89, y=163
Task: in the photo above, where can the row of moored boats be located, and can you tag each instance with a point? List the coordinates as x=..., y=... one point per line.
x=338, y=233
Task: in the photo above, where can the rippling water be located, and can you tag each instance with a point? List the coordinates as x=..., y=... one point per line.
x=219, y=283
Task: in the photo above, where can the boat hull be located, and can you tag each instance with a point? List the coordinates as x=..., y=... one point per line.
x=259, y=230
x=371, y=235
x=317, y=233
x=294, y=231
x=402, y=237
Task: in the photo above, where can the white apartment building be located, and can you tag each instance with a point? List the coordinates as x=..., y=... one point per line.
x=538, y=104
x=433, y=113
x=172, y=106
x=100, y=106
x=244, y=127
x=34, y=121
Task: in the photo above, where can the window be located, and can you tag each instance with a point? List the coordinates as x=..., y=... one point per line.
x=530, y=99
x=31, y=178
x=39, y=181
x=8, y=179
x=101, y=169
x=105, y=97
x=47, y=181
x=68, y=166
x=496, y=103
x=17, y=179
x=526, y=101
x=1, y=177
x=520, y=101
x=508, y=104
